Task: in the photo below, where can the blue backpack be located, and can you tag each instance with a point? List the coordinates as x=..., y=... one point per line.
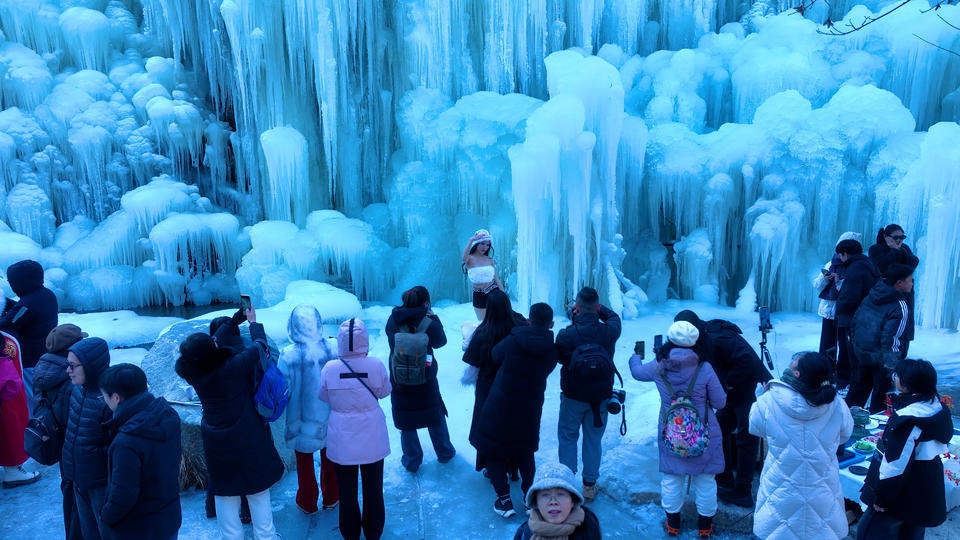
x=273, y=391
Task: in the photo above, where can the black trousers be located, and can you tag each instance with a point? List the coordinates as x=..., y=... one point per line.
x=828, y=337
x=846, y=361
x=373, y=516
x=71, y=522
x=498, y=468
x=872, y=381
x=739, y=447
x=882, y=526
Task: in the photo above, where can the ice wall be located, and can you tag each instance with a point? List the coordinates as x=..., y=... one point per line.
x=594, y=139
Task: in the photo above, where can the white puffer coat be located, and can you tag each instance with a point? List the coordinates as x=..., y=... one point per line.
x=800, y=496
x=301, y=363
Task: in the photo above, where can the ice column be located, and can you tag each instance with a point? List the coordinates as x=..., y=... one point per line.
x=86, y=33
x=288, y=197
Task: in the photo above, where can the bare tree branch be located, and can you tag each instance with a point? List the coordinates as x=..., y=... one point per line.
x=937, y=46
x=832, y=30
x=948, y=23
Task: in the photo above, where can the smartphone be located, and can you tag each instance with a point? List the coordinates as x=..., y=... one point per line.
x=765, y=318
x=657, y=342
x=639, y=348
x=245, y=303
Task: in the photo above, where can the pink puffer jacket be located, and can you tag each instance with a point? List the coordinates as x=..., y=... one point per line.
x=357, y=428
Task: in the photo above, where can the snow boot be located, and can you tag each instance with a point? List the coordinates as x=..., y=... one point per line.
x=18, y=476
x=672, y=524
x=504, y=506
x=738, y=496
x=704, y=526
x=590, y=491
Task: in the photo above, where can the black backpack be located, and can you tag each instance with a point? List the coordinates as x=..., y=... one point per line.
x=43, y=436
x=592, y=369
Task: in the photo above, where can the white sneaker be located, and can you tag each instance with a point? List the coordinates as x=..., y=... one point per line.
x=18, y=476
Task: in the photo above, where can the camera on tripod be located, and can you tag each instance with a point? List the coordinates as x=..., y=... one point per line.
x=765, y=326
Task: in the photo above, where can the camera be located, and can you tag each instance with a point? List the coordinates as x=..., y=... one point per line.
x=615, y=403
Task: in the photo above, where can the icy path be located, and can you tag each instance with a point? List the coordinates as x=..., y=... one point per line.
x=451, y=500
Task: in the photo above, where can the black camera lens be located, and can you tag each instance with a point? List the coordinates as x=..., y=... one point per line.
x=613, y=406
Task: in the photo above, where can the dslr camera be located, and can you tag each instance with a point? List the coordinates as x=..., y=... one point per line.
x=615, y=402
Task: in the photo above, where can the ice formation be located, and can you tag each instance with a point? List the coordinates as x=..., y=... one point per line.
x=705, y=149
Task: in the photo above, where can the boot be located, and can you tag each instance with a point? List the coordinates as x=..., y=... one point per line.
x=18, y=476
x=504, y=506
x=672, y=524
x=738, y=496
x=590, y=491
x=704, y=526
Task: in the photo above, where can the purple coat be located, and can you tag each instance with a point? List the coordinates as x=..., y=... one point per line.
x=678, y=368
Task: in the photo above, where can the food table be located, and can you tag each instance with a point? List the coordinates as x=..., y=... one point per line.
x=851, y=483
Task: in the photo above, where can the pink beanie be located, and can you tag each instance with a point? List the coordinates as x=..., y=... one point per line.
x=359, y=345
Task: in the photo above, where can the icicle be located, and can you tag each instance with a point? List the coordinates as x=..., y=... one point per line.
x=30, y=213
x=288, y=197
x=196, y=244
x=86, y=33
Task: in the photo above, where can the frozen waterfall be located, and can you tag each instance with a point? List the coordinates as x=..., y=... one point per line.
x=172, y=151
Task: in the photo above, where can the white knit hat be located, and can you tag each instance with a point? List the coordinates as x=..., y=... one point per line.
x=850, y=235
x=482, y=235
x=683, y=334
x=551, y=475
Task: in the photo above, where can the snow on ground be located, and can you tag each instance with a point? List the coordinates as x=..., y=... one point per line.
x=452, y=497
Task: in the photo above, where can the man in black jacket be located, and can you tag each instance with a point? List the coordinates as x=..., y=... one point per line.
x=143, y=487
x=739, y=368
x=509, y=430
x=51, y=384
x=31, y=318
x=904, y=489
x=581, y=401
x=859, y=276
x=84, y=459
x=878, y=336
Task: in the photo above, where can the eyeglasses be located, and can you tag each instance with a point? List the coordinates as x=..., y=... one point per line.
x=72, y=366
x=899, y=237
x=554, y=495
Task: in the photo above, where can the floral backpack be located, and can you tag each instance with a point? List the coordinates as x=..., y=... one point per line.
x=684, y=431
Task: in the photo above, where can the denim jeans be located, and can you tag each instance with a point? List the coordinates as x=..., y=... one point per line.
x=575, y=415
x=413, y=452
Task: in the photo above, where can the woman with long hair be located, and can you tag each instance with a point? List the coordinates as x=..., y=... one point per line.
x=481, y=270
x=891, y=249
x=804, y=420
x=498, y=320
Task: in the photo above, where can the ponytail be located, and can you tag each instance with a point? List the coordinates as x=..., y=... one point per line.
x=887, y=231
x=880, y=235
x=817, y=378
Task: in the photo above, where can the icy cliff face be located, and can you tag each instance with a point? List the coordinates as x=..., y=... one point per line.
x=708, y=149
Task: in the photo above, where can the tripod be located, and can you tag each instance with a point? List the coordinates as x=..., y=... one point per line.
x=764, y=351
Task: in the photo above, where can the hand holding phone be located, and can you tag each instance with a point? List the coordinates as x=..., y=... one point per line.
x=639, y=349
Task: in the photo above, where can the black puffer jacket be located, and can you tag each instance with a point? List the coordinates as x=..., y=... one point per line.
x=84, y=459
x=737, y=365
x=51, y=382
x=601, y=328
x=237, y=443
x=859, y=276
x=420, y=406
x=143, y=496
x=906, y=474
x=878, y=327
x=32, y=317
x=510, y=419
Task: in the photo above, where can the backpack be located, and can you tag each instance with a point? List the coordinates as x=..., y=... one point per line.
x=273, y=390
x=684, y=432
x=43, y=436
x=408, y=361
x=592, y=368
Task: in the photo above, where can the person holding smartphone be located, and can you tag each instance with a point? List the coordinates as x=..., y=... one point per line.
x=827, y=281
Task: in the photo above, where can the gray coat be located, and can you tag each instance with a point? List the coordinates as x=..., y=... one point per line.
x=708, y=395
x=301, y=363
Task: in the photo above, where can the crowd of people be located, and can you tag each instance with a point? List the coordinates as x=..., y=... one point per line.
x=119, y=450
